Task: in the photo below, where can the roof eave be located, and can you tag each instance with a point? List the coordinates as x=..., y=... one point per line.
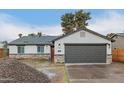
x=84, y=30
x=29, y=44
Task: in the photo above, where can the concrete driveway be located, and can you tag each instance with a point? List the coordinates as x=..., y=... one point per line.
x=113, y=73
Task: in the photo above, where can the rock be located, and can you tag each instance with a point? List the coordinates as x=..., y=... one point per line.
x=12, y=71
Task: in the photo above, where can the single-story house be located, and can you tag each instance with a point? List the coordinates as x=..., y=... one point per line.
x=118, y=42
x=83, y=46
x=31, y=46
x=117, y=46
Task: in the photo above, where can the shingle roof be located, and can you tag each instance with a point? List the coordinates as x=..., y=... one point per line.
x=33, y=40
x=88, y=30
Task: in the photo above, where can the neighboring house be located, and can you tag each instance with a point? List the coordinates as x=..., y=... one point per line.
x=118, y=42
x=32, y=46
x=117, y=46
x=84, y=46
x=1, y=45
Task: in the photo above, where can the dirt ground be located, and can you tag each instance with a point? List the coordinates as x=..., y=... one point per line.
x=112, y=73
x=59, y=73
x=55, y=72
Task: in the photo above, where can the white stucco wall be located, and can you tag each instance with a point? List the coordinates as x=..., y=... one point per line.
x=12, y=49
x=29, y=49
x=46, y=49
x=75, y=38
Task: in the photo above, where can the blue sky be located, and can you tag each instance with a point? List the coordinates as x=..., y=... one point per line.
x=14, y=21
x=49, y=16
x=38, y=16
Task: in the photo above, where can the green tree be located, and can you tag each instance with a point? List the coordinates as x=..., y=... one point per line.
x=74, y=21
x=5, y=43
x=67, y=23
x=81, y=19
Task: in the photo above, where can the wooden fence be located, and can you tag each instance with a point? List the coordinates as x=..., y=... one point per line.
x=4, y=53
x=1, y=53
x=118, y=55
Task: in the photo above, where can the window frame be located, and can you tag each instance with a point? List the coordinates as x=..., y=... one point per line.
x=21, y=49
x=40, y=47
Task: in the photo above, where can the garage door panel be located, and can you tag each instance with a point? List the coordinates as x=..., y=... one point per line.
x=85, y=53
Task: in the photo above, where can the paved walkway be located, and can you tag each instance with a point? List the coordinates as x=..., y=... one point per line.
x=96, y=73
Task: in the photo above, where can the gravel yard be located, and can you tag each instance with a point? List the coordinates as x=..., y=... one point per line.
x=55, y=72
x=12, y=71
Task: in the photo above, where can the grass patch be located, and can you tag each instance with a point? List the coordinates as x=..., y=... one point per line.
x=36, y=63
x=66, y=79
x=39, y=62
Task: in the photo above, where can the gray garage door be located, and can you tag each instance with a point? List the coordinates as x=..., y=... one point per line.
x=86, y=53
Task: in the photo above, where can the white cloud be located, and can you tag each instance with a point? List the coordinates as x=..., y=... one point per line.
x=10, y=27
x=111, y=21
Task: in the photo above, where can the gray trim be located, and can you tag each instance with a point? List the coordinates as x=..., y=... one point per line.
x=77, y=44
x=90, y=31
x=30, y=44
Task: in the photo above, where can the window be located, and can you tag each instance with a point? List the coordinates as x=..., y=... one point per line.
x=59, y=50
x=20, y=49
x=40, y=49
